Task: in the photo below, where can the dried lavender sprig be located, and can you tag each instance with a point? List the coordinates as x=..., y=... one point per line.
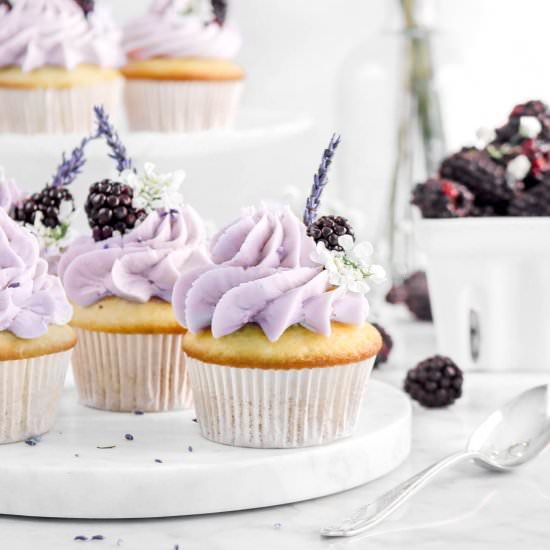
x=107, y=130
x=319, y=181
x=70, y=167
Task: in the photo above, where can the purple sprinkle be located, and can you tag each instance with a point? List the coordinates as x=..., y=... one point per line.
x=98, y=537
x=14, y=285
x=158, y=460
x=77, y=455
x=80, y=537
x=277, y=525
x=129, y=437
x=190, y=449
x=105, y=246
x=176, y=547
x=139, y=413
x=32, y=441
x=195, y=420
x=106, y=447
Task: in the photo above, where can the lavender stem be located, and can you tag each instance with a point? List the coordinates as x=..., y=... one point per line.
x=70, y=167
x=107, y=130
x=319, y=181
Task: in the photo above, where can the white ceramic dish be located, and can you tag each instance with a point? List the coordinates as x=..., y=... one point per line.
x=67, y=475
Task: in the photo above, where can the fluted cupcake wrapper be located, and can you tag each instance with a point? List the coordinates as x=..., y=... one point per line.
x=129, y=372
x=30, y=393
x=272, y=408
x=169, y=106
x=57, y=110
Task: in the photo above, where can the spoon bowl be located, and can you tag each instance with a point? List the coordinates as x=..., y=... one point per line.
x=515, y=433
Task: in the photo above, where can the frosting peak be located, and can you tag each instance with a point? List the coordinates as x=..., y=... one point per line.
x=30, y=299
x=138, y=265
x=180, y=28
x=264, y=273
x=36, y=33
x=10, y=192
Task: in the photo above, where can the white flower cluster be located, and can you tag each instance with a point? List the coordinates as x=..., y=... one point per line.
x=154, y=191
x=351, y=268
x=55, y=239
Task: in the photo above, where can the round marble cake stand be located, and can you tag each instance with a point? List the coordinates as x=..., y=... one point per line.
x=87, y=468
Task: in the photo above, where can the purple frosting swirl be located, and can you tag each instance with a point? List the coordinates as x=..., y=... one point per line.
x=263, y=273
x=137, y=266
x=30, y=298
x=36, y=33
x=169, y=30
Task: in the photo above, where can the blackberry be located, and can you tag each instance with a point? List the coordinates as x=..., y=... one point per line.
x=413, y=293
x=435, y=382
x=328, y=229
x=109, y=209
x=477, y=171
x=387, y=345
x=87, y=6
x=532, y=202
x=6, y=3
x=48, y=202
x=536, y=108
x=220, y=11
x=440, y=198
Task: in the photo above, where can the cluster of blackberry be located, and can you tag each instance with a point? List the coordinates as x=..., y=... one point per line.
x=413, y=293
x=387, y=345
x=6, y=3
x=484, y=182
x=219, y=7
x=435, y=382
x=87, y=6
x=47, y=202
x=328, y=229
x=109, y=209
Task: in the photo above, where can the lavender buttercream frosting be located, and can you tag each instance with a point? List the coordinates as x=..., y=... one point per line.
x=139, y=265
x=30, y=298
x=263, y=273
x=36, y=33
x=172, y=28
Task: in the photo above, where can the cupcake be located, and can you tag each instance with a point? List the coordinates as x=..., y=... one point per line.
x=180, y=75
x=58, y=58
x=35, y=341
x=278, y=348
x=120, y=280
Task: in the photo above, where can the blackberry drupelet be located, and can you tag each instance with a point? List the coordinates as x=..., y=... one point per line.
x=48, y=202
x=328, y=229
x=220, y=11
x=387, y=345
x=477, y=171
x=440, y=198
x=87, y=6
x=435, y=382
x=109, y=209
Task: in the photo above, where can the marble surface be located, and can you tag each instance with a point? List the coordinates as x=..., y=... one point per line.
x=88, y=453
x=465, y=508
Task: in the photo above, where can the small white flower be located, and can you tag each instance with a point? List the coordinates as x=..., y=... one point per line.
x=529, y=126
x=517, y=169
x=351, y=268
x=154, y=191
x=55, y=239
x=485, y=136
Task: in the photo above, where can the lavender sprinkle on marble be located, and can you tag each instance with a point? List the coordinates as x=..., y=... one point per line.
x=195, y=420
x=277, y=525
x=190, y=449
x=107, y=130
x=32, y=441
x=98, y=537
x=106, y=447
x=129, y=437
x=80, y=537
x=319, y=181
x=139, y=413
x=14, y=285
x=158, y=460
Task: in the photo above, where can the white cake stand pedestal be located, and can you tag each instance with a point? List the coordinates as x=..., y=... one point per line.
x=86, y=468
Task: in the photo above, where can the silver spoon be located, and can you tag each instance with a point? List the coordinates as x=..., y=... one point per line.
x=509, y=437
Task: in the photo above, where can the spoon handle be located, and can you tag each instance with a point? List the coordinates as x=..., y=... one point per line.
x=373, y=513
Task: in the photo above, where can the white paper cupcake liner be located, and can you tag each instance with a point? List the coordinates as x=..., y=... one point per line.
x=30, y=392
x=129, y=372
x=57, y=110
x=161, y=106
x=272, y=408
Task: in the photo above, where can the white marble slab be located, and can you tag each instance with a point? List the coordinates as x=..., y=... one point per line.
x=87, y=468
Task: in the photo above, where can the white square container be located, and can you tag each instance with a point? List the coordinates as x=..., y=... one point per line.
x=489, y=282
